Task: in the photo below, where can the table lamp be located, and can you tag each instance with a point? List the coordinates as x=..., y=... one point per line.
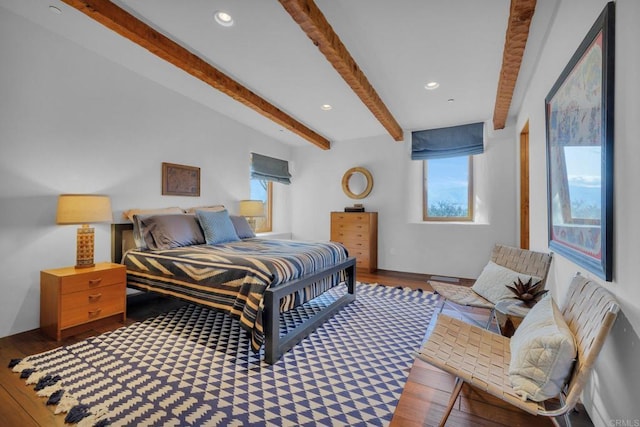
x=84, y=209
x=252, y=209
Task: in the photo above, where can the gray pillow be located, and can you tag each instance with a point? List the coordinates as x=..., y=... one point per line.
x=243, y=229
x=170, y=231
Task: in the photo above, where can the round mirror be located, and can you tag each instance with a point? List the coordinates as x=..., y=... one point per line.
x=357, y=183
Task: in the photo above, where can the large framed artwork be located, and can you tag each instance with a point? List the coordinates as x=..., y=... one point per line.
x=579, y=120
x=180, y=180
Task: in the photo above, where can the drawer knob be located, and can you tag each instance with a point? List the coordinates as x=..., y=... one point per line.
x=94, y=282
x=94, y=313
x=94, y=297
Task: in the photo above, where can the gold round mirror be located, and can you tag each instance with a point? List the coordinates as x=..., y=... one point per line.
x=357, y=183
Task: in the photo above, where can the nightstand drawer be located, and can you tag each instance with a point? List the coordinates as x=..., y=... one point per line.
x=92, y=280
x=85, y=306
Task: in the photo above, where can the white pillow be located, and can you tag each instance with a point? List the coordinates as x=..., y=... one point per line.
x=543, y=350
x=491, y=284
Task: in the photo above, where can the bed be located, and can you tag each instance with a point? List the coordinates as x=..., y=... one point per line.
x=253, y=279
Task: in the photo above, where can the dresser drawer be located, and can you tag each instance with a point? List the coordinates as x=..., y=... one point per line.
x=350, y=235
x=353, y=244
x=362, y=256
x=350, y=227
x=84, y=306
x=350, y=218
x=93, y=280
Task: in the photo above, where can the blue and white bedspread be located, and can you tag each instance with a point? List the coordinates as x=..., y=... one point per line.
x=234, y=276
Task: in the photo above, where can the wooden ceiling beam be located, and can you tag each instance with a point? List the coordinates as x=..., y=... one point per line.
x=130, y=27
x=315, y=25
x=520, y=16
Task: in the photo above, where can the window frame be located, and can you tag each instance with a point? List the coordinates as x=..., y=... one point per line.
x=470, y=196
x=265, y=224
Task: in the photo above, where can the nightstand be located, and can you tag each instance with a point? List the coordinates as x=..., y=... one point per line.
x=73, y=299
x=509, y=314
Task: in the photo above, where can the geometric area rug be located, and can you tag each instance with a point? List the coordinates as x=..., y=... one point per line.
x=194, y=366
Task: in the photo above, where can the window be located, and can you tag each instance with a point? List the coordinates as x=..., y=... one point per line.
x=581, y=190
x=448, y=189
x=263, y=190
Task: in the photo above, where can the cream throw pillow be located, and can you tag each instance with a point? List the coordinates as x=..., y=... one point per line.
x=491, y=284
x=543, y=350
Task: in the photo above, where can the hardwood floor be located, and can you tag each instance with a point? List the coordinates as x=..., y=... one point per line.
x=422, y=402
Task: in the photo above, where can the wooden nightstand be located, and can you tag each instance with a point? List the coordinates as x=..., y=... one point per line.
x=73, y=299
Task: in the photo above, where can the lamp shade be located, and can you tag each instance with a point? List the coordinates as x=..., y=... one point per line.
x=251, y=208
x=83, y=209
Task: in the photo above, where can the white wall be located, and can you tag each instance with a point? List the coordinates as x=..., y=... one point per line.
x=612, y=392
x=74, y=122
x=404, y=242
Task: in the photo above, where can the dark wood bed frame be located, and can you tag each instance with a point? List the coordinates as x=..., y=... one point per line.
x=275, y=345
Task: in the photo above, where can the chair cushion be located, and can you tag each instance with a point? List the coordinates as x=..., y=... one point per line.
x=492, y=282
x=543, y=350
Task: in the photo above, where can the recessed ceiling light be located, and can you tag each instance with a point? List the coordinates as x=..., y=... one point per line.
x=432, y=85
x=326, y=107
x=223, y=18
x=450, y=100
x=55, y=10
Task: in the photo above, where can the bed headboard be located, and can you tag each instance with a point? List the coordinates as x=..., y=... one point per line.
x=121, y=240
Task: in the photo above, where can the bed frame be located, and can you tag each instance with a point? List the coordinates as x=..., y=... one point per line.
x=275, y=345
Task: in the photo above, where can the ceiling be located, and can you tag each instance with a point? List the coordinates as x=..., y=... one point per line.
x=399, y=46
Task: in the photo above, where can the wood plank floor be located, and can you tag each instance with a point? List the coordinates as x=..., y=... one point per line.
x=422, y=402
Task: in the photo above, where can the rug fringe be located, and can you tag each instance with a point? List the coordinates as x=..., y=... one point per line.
x=55, y=397
x=21, y=366
x=97, y=418
x=77, y=414
x=47, y=381
x=35, y=377
x=49, y=390
x=66, y=403
x=14, y=362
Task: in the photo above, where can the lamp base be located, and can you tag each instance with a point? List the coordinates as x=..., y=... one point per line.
x=252, y=223
x=85, y=245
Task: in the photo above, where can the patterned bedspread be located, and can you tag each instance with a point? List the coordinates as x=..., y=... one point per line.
x=233, y=276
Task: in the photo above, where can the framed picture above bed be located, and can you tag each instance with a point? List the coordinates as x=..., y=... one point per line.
x=579, y=118
x=180, y=180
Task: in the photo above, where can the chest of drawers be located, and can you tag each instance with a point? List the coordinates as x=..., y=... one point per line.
x=72, y=299
x=358, y=232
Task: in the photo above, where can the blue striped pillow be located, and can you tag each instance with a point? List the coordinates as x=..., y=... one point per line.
x=217, y=227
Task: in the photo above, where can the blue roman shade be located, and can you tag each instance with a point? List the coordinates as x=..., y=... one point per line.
x=453, y=141
x=270, y=169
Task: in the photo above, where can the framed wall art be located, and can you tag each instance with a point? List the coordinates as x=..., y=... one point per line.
x=180, y=180
x=579, y=125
